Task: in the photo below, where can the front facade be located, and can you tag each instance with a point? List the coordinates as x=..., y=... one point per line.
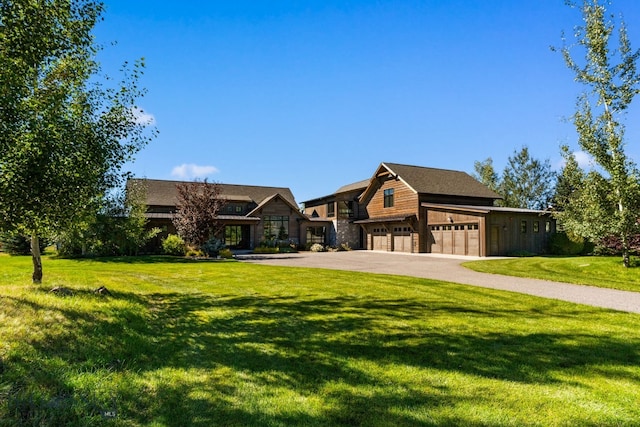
x=400, y=208
x=415, y=209
x=251, y=215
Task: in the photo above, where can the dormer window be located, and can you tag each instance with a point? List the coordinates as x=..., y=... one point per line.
x=388, y=198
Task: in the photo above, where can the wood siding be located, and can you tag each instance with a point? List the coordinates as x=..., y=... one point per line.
x=405, y=201
x=508, y=233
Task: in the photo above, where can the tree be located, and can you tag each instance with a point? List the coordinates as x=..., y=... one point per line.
x=569, y=183
x=64, y=133
x=526, y=182
x=119, y=227
x=486, y=174
x=196, y=217
x=610, y=199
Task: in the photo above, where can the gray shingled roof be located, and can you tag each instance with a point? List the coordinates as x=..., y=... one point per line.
x=164, y=193
x=360, y=185
x=440, y=181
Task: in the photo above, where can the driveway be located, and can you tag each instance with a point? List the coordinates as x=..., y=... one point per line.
x=430, y=266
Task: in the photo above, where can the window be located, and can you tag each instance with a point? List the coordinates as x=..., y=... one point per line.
x=345, y=209
x=276, y=227
x=388, y=198
x=238, y=209
x=331, y=209
x=547, y=227
x=536, y=226
x=315, y=234
x=523, y=226
x=233, y=235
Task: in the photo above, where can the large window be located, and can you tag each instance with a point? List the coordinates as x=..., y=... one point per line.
x=276, y=227
x=235, y=236
x=388, y=198
x=345, y=209
x=316, y=234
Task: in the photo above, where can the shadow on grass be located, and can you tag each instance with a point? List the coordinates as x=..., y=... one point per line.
x=146, y=259
x=251, y=346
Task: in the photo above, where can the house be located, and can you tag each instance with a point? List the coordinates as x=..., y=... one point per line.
x=400, y=208
x=250, y=216
x=415, y=209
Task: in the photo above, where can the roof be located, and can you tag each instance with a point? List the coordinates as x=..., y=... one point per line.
x=164, y=192
x=424, y=180
x=484, y=209
x=360, y=185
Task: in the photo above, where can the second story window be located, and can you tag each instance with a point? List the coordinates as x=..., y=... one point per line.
x=345, y=209
x=331, y=209
x=388, y=198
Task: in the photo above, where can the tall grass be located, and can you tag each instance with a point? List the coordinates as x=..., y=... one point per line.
x=221, y=343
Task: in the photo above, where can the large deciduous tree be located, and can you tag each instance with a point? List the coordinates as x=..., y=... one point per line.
x=196, y=218
x=609, y=201
x=65, y=130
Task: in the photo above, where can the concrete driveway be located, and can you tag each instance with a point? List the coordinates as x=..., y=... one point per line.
x=448, y=269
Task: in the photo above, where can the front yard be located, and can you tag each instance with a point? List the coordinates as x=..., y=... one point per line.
x=204, y=343
x=603, y=272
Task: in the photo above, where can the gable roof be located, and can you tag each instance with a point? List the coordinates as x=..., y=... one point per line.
x=266, y=201
x=164, y=193
x=424, y=180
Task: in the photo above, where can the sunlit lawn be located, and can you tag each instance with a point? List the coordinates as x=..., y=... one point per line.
x=226, y=343
x=604, y=272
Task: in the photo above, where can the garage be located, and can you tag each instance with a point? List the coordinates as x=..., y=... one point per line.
x=402, y=241
x=379, y=237
x=459, y=239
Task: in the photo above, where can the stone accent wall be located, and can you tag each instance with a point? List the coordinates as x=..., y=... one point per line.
x=347, y=232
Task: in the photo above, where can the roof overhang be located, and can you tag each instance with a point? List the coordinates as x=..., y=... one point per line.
x=481, y=209
x=385, y=219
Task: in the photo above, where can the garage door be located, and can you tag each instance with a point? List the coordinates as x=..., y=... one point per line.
x=402, y=239
x=379, y=239
x=460, y=239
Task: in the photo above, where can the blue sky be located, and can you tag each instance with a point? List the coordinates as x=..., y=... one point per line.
x=312, y=95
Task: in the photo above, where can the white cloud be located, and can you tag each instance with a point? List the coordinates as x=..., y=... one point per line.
x=192, y=171
x=584, y=159
x=142, y=117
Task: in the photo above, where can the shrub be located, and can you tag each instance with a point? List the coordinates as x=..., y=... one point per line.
x=345, y=247
x=266, y=250
x=317, y=247
x=173, y=245
x=226, y=253
x=566, y=244
x=212, y=247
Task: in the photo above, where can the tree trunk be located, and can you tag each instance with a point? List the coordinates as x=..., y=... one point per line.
x=37, y=260
x=625, y=251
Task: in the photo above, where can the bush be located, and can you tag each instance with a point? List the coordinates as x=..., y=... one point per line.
x=226, y=253
x=212, y=247
x=317, y=247
x=174, y=245
x=266, y=250
x=567, y=244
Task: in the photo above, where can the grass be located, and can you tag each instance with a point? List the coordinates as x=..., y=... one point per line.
x=226, y=343
x=604, y=272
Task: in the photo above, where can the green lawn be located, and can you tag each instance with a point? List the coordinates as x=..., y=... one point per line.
x=604, y=272
x=224, y=343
